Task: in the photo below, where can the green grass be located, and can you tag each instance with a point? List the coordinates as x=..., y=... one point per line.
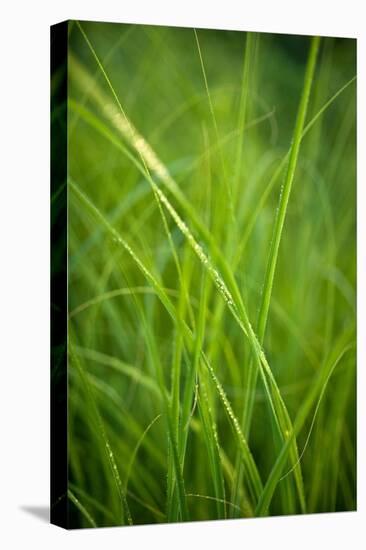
x=212, y=274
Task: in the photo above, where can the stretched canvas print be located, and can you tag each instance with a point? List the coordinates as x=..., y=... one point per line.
x=203, y=296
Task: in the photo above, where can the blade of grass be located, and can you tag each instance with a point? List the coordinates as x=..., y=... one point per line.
x=121, y=367
x=116, y=293
x=208, y=497
x=81, y=508
x=317, y=390
x=204, y=407
x=213, y=116
x=125, y=511
x=248, y=69
x=135, y=451
x=98, y=507
x=274, y=248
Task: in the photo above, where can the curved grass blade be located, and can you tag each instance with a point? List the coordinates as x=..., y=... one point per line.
x=92, y=501
x=135, y=451
x=125, y=511
x=317, y=389
x=225, y=502
x=120, y=366
x=115, y=293
x=81, y=508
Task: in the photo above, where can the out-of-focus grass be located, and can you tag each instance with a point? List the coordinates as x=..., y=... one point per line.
x=212, y=274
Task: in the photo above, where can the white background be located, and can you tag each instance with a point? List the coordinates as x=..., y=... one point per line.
x=24, y=271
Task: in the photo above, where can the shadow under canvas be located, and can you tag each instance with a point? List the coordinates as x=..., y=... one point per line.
x=40, y=512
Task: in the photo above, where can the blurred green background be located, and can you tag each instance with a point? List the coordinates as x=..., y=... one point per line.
x=224, y=171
